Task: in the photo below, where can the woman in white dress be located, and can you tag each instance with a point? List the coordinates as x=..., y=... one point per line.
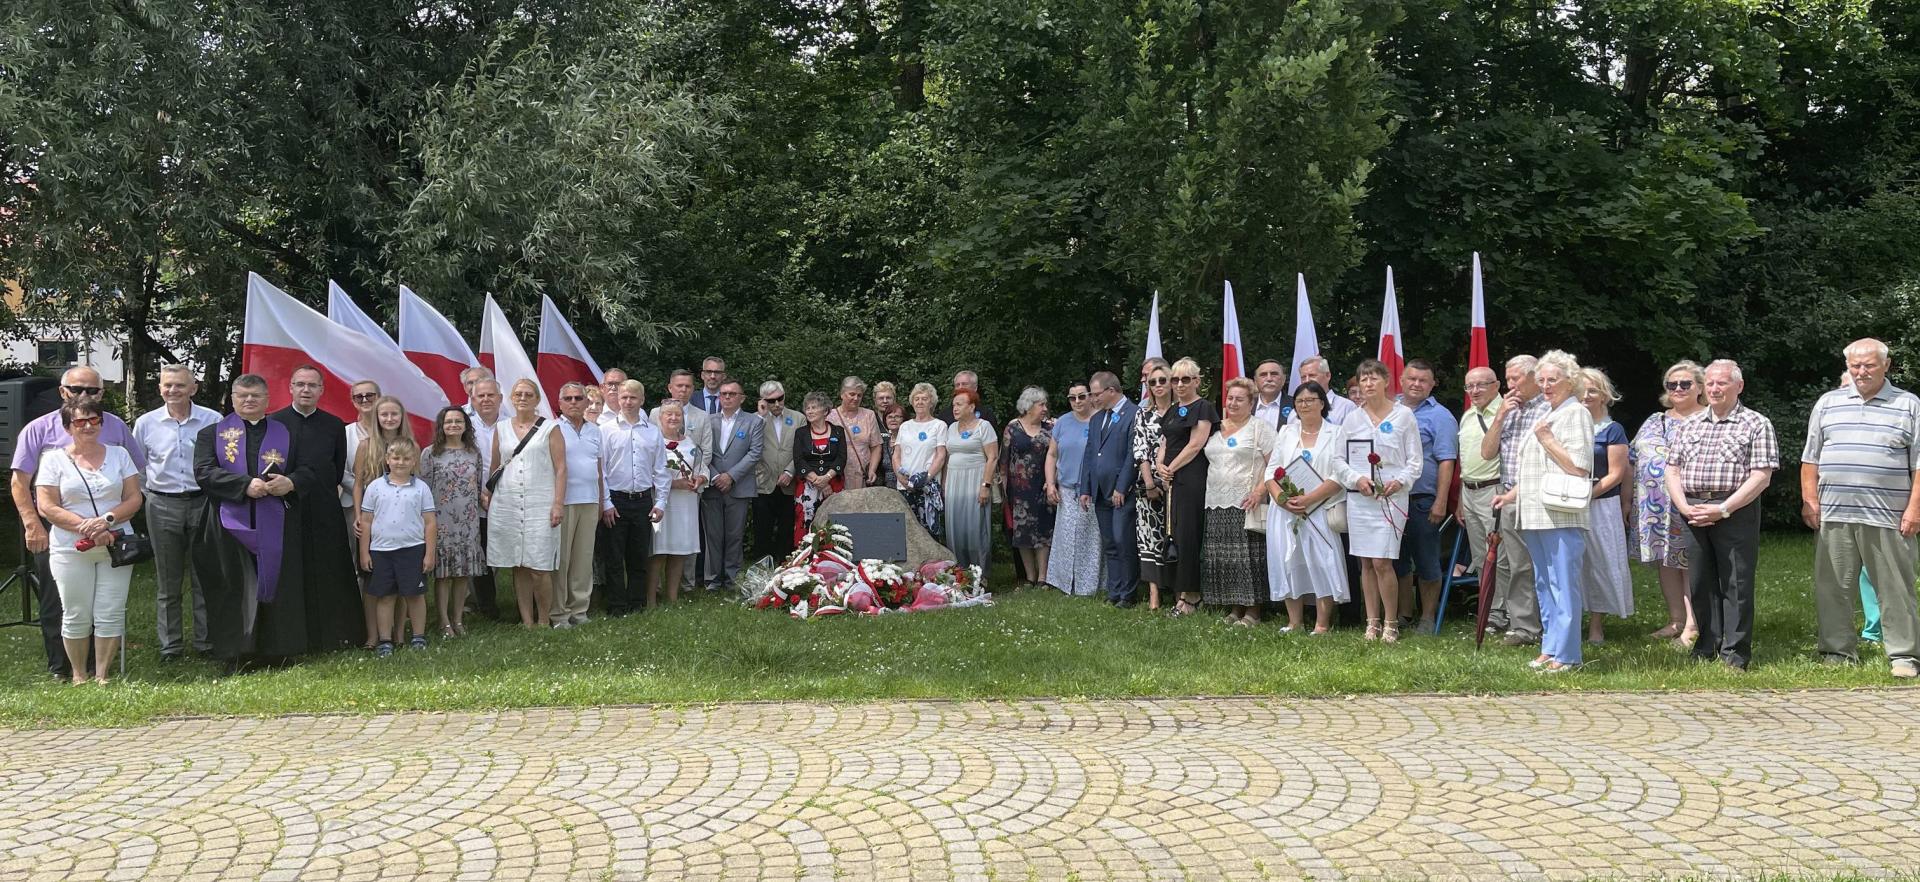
x=1383, y=445
x=676, y=538
x=1304, y=557
x=920, y=459
x=523, y=511
x=1609, y=583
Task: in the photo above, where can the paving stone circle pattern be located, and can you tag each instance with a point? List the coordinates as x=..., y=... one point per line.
x=1564, y=786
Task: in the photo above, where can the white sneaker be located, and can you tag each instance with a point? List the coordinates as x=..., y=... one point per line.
x=1905, y=669
x=580, y=619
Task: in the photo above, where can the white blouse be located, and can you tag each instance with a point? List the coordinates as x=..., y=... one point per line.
x=1396, y=439
x=1236, y=463
x=919, y=440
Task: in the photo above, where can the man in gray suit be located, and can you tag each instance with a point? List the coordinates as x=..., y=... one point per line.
x=1106, y=479
x=737, y=438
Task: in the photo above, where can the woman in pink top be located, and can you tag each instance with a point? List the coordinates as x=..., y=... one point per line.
x=863, y=433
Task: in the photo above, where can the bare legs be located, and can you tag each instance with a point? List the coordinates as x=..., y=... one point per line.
x=1680, y=624
x=665, y=570
x=1380, y=588
x=104, y=649
x=531, y=590
x=452, y=600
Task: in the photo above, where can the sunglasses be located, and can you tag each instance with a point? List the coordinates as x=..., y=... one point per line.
x=83, y=390
x=1157, y=381
x=1679, y=385
x=78, y=422
x=364, y=397
x=1185, y=380
x=1080, y=397
x=775, y=399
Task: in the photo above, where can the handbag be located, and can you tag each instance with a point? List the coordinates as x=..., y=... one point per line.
x=127, y=548
x=493, y=480
x=1337, y=516
x=1560, y=491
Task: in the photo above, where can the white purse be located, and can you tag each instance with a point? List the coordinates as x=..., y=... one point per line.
x=1560, y=491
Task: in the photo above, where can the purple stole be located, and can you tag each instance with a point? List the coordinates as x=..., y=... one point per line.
x=260, y=529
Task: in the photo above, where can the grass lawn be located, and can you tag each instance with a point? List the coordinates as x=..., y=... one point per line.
x=1033, y=643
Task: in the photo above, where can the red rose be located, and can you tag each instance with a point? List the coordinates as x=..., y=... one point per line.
x=1373, y=459
x=1279, y=474
x=673, y=445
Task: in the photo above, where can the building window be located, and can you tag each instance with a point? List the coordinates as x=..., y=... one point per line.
x=59, y=353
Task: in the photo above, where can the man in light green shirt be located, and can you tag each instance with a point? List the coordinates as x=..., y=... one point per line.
x=1479, y=475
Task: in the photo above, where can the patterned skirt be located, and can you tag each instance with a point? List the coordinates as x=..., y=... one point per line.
x=1151, y=529
x=1609, y=583
x=1075, y=565
x=1236, y=560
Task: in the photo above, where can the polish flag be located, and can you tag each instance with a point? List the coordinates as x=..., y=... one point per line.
x=1306, y=343
x=1390, y=352
x=434, y=344
x=341, y=310
x=281, y=334
x=1232, y=367
x=1477, y=336
x=563, y=358
x=1153, y=339
x=501, y=352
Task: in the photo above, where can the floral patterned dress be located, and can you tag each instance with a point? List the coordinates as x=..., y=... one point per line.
x=1026, y=463
x=454, y=476
x=1659, y=535
x=1150, y=514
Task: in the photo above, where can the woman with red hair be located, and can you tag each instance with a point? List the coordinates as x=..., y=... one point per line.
x=972, y=452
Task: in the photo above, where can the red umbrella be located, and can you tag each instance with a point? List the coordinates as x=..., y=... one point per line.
x=1487, y=575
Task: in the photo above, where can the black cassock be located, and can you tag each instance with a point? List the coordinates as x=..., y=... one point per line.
x=237, y=625
x=326, y=576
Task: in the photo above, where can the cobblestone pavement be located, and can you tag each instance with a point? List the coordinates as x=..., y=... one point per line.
x=1562, y=786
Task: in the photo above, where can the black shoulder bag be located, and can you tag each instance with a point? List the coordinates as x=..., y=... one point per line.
x=501, y=469
x=126, y=549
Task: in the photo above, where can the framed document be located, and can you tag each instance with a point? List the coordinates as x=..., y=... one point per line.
x=1309, y=479
x=1358, y=449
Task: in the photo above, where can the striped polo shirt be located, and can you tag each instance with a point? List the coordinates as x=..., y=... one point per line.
x=1866, y=452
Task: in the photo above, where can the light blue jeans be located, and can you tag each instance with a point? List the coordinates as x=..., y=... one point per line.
x=1558, y=555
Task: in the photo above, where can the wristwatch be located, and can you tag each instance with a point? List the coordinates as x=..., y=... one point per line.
x=108, y=517
x=1724, y=514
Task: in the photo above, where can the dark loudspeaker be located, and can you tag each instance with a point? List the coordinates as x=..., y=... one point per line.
x=22, y=399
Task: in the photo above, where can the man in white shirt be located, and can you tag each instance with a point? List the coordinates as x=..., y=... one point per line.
x=1316, y=368
x=639, y=487
x=584, y=505
x=1271, y=406
x=610, y=393
x=175, y=511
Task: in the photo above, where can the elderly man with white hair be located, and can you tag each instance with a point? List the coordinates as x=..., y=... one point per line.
x=1860, y=487
x=1524, y=405
x=1721, y=461
x=1317, y=369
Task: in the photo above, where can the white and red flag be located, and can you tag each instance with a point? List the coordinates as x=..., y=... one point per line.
x=563, y=358
x=1153, y=339
x=1232, y=364
x=1306, y=343
x=341, y=310
x=1390, y=352
x=281, y=334
x=434, y=345
x=1477, y=356
x=501, y=352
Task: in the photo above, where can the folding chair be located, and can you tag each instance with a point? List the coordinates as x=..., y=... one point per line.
x=1448, y=579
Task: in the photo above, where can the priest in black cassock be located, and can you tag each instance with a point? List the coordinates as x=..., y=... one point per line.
x=328, y=583
x=250, y=543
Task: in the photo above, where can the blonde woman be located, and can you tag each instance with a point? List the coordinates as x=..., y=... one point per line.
x=367, y=461
x=1608, y=590
x=1560, y=442
x=1150, y=500
x=1659, y=536
x=1183, y=470
x=524, y=506
x=863, y=434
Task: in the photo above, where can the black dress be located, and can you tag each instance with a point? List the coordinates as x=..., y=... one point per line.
x=1187, y=509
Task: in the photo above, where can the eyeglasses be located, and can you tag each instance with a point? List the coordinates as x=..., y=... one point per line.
x=1185, y=380
x=1483, y=384
x=83, y=390
x=364, y=397
x=573, y=398
x=78, y=421
x=1157, y=381
x=712, y=371
x=1080, y=397
x=306, y=385
x=1679, y=385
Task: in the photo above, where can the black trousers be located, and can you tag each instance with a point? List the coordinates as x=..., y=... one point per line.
x=48, y=597
x=625, y=550
x=773, y=525
x=1720, y=567
x=486, y=597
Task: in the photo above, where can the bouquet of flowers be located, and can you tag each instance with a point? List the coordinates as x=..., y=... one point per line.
x=891, y=585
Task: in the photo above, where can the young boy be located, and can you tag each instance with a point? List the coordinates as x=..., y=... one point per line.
x=397, y=534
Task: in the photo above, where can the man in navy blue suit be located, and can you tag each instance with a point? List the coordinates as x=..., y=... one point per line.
x=1106, y=476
